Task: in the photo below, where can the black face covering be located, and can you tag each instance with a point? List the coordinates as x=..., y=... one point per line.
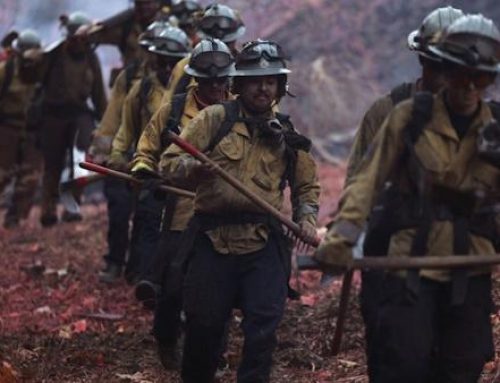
x=460, y=122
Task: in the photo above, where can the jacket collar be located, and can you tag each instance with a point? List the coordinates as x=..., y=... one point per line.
x=241, y=127
x=191, y=107
x=441, y=122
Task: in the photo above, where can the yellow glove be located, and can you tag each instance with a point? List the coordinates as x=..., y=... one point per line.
x=309, y=232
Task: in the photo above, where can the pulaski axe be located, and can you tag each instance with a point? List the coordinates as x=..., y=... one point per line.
x=69, y=189
x=389, y=263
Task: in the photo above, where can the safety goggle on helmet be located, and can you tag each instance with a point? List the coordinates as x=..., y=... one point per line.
x=210, y=58
x=152, y=32
x=185, y=6
x=185, y=11
x=261, y=58
x=221, y=22
x=172, y=42
x=472, y=41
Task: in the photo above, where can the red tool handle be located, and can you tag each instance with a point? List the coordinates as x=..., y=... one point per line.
x=238, y=185
x=127, y=177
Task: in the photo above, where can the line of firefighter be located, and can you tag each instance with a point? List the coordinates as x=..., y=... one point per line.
x=423, y=173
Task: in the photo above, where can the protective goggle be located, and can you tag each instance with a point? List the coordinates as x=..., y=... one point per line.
x=465, y=76
x=185, y=6
x=164, y=45
x=256, y=50
x=207, y=60
x=224, y=23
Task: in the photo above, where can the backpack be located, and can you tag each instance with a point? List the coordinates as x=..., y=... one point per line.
x=401, y=93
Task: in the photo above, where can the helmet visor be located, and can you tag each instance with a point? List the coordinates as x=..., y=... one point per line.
x=206, y=60
x=217, y=22
x=185, y=7
x=257, y=50
x=164, y=45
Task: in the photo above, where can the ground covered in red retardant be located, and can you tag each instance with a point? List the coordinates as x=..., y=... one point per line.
x=59, y=324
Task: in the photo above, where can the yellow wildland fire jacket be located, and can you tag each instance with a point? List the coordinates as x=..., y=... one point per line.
x=448, y=163
x=247, y=155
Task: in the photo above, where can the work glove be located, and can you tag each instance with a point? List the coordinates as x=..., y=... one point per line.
x=309, y=233
x=99, y=149
x=118, y=161
x=334, y=254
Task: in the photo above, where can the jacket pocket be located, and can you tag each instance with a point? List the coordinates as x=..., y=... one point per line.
x=269, y=171
x=232, y=147
x=263, y=182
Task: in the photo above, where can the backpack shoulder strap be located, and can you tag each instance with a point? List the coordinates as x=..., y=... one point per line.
x=145, y=89
x=127, y=28
x=178, y=103
x=9, y=76
x=401, y=92
x=130, y=72
x=231, y=115
x=183, y=83
x=423, y=103
x=176, y=112
x=293, y=139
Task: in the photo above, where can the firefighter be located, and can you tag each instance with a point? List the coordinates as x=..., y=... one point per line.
x=143, y=100
x=432, y=80
x=432, y=325
x=218, y=21
x=211, y=64
x=186, y=12
x=118, y=193
x=238, y=256
x=70, y=77
x=19, y=157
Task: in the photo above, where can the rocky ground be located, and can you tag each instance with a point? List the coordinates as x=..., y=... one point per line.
x=59, y=324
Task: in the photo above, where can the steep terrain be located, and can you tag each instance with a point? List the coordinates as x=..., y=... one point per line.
x=344, y=52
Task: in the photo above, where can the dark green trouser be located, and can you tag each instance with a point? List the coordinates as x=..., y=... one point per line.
x=215, y=284
x=425, y=339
